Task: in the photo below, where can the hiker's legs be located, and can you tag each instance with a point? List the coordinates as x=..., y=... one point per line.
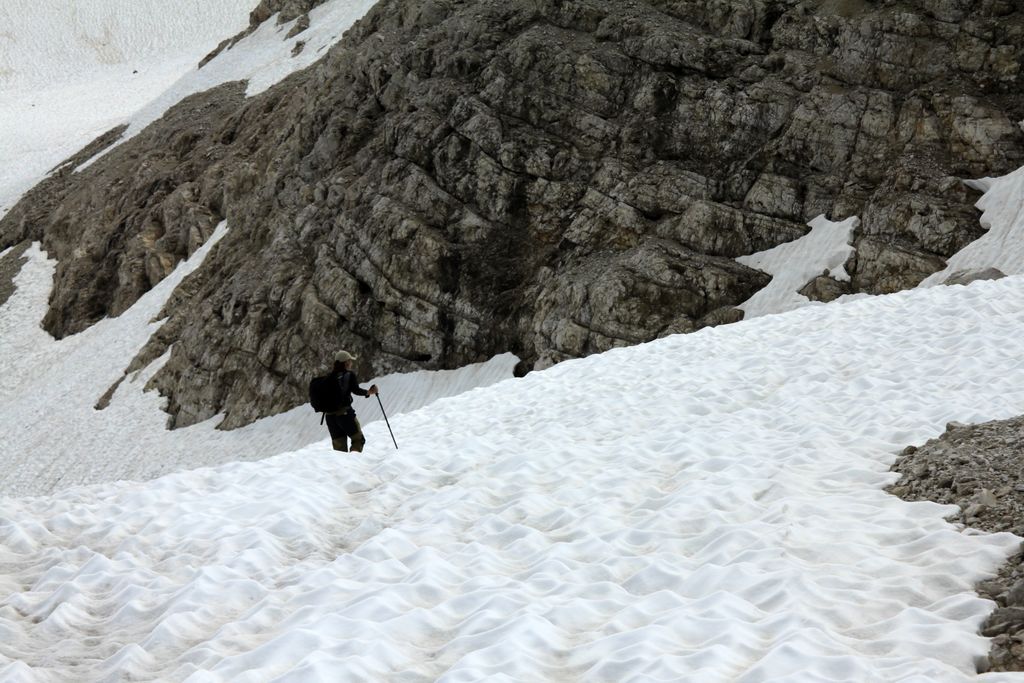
x=336, y=426
x=358, y=440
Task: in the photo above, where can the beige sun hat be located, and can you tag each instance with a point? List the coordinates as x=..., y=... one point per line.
x=343, y=356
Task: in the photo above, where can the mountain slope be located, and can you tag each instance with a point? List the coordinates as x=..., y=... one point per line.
x=704, y=507
x=455, y=180
x=71, y=415
x=71, y=72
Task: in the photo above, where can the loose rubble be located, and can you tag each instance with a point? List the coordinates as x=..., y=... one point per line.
x=981, y=469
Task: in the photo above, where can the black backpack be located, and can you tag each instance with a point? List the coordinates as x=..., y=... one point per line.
x=326, y=395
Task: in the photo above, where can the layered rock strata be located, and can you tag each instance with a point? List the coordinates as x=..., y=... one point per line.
x=552, y=178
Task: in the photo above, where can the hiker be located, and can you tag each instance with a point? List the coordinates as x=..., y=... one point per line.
x=343, y=423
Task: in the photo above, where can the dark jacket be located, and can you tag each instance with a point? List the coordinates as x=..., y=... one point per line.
x=349, y=384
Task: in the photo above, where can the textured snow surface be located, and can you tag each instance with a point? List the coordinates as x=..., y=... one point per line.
x=714, y=513
x=70, y=71
x=793, y=264
x=51, y=436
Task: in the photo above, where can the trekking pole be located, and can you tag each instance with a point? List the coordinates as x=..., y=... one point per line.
x=386, y=420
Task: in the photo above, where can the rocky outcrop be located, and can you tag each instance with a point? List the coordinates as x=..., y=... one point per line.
x=284, y=10
x=10, y=264
x=980, y=469
x=962, y=277
x=825, y=288
x=552, y=178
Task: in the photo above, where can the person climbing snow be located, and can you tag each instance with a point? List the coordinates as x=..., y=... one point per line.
x=342, y=422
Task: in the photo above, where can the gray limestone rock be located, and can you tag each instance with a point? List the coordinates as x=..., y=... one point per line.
x=1004, y=620
x=10, y=266
x=965, y=277
x=286, y=10
x=454, y=180
x=825, y=288
x=1015, y=597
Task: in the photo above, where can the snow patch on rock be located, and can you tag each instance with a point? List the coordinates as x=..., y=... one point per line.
x=263, y=58
x=1002, y=247
x=793, y=264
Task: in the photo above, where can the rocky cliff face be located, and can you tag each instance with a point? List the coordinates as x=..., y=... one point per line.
x=548, y=177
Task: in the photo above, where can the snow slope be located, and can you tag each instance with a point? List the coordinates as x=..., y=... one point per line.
x=718, y=517
x=262, y=59
x=793, y=264
x=716, y=514
x=70, y=71
x=52, y=436
x=1002, y=246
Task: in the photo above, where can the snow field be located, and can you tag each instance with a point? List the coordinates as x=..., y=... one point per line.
x=263, y=58
x=68, y=74
x=52, y=436
x=72, y=71
x=53, y=41
x=702, y=508
x=705, y=507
